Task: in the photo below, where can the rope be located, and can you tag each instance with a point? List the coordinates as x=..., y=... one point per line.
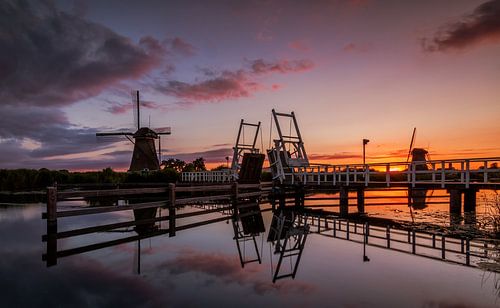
x=244, y=250
x=261, y=141
x=271, y=258
x=243, y=129
x=262, y=243
x=270, y=131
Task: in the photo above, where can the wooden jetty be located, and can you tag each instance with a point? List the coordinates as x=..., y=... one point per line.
x=170, y=197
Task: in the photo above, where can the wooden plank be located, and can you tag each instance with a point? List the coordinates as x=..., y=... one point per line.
x=107, y=193
x=202, y=188
x=97, y=246
x=250, y=194
x=107, y=209
x=199, y=199
x=191, y=214
x=106, y=227
x=92, y=247
x=103, y=228
x=202, y=223
x=248, y=186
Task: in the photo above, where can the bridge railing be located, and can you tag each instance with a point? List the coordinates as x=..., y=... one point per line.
x=220, y=176
x=438, y=172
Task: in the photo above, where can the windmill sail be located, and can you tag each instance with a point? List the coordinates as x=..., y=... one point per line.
x=145, y=156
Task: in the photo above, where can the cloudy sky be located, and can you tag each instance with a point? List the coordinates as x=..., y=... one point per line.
x=349, y=69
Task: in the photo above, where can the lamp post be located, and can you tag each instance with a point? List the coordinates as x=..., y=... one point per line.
x=227, y=162
x=365, y=239
x=365, y=141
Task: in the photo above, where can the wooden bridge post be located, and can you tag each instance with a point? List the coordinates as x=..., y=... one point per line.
x=234, y=198
x=344, y=201
x=282, y=197
x=51, y=226
x=455, y=201
x=361, y=199
x=470, y=200
x=299, y=196
x=171, y=209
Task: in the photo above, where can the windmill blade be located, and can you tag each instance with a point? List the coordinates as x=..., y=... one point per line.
x=137, y=111
x=159, y=149
x=114, y=134
x=163, y=131
x=411, y=143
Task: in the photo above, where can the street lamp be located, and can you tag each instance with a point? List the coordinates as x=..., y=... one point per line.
x=365, y=141
x=227, y=162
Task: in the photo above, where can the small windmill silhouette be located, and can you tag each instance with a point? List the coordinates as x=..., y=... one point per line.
x=145, y=156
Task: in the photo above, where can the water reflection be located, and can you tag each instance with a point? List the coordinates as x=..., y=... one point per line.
x=248, y=224
x=288, y=234
x=204, y=260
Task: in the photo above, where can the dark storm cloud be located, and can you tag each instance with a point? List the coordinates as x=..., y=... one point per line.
x=14, y=155
x=482, y=25
x=49, y=127
x=50, y=59
x=50, y=134
x=225, y=85
x=54, y=58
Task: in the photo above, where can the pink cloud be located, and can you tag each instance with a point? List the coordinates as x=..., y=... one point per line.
x=225, y=85
x=276, y=86
x=356, y=47
x=182, y=47
x=123, y=108
x=228, y=269
x=228, y=85
x=260, y=66
x=299, y=45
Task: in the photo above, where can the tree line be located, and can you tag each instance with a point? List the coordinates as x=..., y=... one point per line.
x=32, y=179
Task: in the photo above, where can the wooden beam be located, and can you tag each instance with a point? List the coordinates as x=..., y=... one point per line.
x=107, y=209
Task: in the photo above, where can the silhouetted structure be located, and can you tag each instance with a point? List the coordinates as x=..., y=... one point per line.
x=145, y=156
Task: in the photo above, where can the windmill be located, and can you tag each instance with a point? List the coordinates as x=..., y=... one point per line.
x=145, y=156
x=419, y=156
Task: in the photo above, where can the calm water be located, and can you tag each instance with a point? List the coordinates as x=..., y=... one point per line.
x=201, y=267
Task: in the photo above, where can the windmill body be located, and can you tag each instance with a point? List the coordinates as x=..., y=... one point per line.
x=145, y=156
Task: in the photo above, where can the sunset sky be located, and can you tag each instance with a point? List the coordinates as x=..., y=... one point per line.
x=349, y=69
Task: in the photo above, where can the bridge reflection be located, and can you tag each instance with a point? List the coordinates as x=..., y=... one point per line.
x=287, y=235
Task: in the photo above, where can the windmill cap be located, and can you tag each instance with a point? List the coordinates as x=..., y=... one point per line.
x=419, y=151
x=145, y=132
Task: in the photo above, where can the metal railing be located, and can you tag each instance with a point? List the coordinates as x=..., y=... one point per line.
x=438, y=172
x=221, y=176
